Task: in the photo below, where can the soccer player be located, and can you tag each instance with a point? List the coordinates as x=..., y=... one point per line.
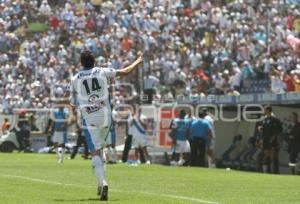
x=182, y=146
x=111, y=139
x=211, y=143
x=89, y=92
x=139, y=136
x=59, y=138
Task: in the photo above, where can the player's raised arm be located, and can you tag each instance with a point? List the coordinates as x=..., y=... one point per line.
x=130, y=68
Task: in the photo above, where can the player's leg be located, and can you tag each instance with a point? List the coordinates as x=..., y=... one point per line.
x=267, y=161
x=144, y=144
x=95, y=144
x=180, y=149
x=113, y=145
x=62, y=146
x=136, y=155
x=146, y=155
x=185, y=150
x=127, y=147
x=76, y=147
x=55, y=140
x=211, y=154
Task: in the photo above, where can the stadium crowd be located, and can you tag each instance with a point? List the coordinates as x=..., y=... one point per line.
x=191, y=47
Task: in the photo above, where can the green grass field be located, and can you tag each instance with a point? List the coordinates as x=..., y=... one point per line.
x=37, y=178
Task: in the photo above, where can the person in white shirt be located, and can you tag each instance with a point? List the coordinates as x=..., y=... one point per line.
x=211, y=144
x=139, y=135
x=89, y=93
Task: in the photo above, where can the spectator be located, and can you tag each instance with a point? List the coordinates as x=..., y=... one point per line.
x=5, y=126
x=229, y=39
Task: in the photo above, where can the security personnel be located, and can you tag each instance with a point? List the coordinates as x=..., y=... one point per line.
x=270, y=129
x=294, y=141
x=200, y=132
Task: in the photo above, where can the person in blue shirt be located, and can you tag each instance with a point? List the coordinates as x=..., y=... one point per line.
x=180, y=141
x=200, y=132
x=61, y=115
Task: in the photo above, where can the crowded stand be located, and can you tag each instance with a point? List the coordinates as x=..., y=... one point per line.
x=193, y=48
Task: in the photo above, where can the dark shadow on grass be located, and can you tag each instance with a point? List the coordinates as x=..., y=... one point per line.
x=82, y=200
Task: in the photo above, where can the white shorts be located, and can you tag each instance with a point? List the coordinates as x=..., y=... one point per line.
x=139, y=140
x=59, y=137
x=183, y=146
x=95, y=136
x=211, y=144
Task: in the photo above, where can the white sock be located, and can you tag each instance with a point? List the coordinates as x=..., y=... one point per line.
x=109, y=154
x=98, y=165
x=57, y=152
x=265, y=168
x=62, y=152
x=114, y=154
x=211, y=164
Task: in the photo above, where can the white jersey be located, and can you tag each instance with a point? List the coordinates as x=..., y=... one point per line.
x=211, y=122
x=136, y=128
x=89, y=92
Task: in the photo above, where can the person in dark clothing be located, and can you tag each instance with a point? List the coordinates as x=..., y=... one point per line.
x=270, y=128
x=200, y=132
x=128, y=140
x=80, y=141
x=294, y=141
x=80, y=138
x=23, y=134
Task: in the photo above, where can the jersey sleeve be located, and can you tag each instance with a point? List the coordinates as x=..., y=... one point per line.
x=110, y=72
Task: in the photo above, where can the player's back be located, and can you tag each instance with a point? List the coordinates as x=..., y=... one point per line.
x=92, y=96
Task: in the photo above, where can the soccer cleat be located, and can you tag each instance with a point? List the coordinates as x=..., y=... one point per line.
x=99, y=190
x=104, y=193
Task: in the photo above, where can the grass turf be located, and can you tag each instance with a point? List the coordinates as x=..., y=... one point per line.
x=37, y=178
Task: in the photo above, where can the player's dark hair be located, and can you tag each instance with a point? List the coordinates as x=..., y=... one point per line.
x=269, y=108
x=182, y=113
x=87, y=59
x=295, y=114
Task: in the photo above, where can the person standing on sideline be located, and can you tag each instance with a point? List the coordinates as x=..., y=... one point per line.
x=139, y=135
x=59, y=139
x=200, y=133
x=128, y=139
x=180, y=138
x=270, y=128
x=112, y=138
x=211, y=143
x=294, y=141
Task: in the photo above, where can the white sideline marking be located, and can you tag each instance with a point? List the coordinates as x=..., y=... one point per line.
x=141, y=192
